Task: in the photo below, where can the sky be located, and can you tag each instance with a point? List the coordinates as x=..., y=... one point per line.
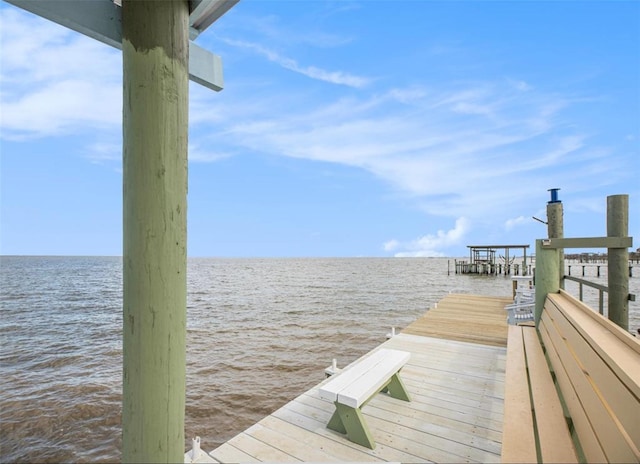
x=345, y=129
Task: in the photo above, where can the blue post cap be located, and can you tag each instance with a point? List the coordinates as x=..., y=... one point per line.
x=554, y=195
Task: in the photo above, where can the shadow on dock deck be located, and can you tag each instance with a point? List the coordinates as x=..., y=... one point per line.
x=456, y=381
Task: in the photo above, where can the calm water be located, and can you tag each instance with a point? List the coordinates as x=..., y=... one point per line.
x=260, y=332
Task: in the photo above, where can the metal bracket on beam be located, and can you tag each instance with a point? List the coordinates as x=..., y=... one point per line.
x=102, y=20
x=588, y=242
x=203, y=13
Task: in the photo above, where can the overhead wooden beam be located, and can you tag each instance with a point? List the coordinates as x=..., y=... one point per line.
x=588, y=242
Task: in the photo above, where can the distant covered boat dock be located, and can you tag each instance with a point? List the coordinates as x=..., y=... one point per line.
x=487, y=259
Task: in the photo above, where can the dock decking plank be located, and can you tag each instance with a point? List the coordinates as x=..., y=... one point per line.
x=229, y=453
x=277, y=437
x=463, y=317
x=383, y=450
x=424, y=413
x=459, y=383
x=317, y=429
x=260, y=450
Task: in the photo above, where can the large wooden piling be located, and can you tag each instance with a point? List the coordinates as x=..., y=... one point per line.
x=555, y=226
x=155, y=116
x=618, y=260
x=547, y=276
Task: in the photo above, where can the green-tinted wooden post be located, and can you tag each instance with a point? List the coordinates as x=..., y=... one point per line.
x=547, y=276
x=618, y=262
x=155, y=110
x=555, y=226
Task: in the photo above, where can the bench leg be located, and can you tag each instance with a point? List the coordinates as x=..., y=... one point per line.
x=335, y=423
x=350, y=421
x=397, y=389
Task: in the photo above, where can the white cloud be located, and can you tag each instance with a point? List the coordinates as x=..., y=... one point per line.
x=519, y=85
x=431, y=245
x=55, y=81
x=469, y=165
x=391, y=245
x=510, y=224
x=467, y=149
x=61, y=108
x=198, y=154
x=100, y=152
x=334, y=77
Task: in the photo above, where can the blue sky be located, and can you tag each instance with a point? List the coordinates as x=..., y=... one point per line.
x=346, y=128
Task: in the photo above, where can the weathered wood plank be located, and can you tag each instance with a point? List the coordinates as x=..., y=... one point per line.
x=518, y=439
x=469, y=398
x=387, y=448
x=624, y=405
x=457, y=386
x=555, y=441
x=393, y=432
x=260, y=450
x=465, y=318
x=229, y=453
x=617, y=347
x=462, y=369
x=616, y=444
x=331, y=450
x=434, y=436
x=295, y=447
x=424, y=414
x=418, y=343
x=554, y=344
x=444, y=434
x=431, y=447
x=317, y=430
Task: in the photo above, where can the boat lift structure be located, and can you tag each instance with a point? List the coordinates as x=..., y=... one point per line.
x=483, y=260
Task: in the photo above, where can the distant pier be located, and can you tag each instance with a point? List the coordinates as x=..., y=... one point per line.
x=487, y=259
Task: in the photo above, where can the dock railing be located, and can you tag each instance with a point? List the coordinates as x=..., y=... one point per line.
x=617, y=242
x=601, y=290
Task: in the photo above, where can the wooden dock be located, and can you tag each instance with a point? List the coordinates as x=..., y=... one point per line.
x=456, y=380
x=466, y=318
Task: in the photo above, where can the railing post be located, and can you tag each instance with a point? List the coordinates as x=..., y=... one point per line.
x=580, y=291
x=618, y=260
x=547, y=276
x=601, y=302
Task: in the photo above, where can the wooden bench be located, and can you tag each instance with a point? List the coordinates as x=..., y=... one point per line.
x=579, y=399
x=356, y=385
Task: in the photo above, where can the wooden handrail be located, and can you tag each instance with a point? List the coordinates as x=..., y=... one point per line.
x=601, y=289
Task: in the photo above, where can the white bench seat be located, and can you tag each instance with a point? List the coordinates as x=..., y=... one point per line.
x=355, y=386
